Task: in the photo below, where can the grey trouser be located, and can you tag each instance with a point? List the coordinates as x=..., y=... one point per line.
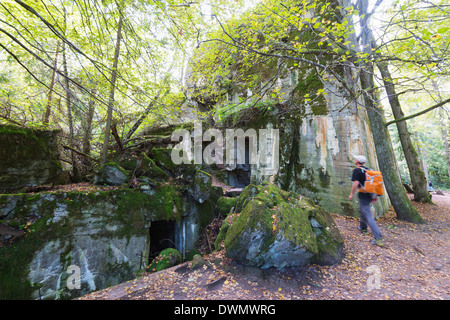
x=366, y=217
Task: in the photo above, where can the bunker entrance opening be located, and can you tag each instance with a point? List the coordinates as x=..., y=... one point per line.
x=162, y=236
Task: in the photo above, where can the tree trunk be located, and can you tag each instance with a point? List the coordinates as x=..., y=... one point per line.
x=385, y=154
x=111, y=93
x=149, y=107
x=143, y=116
x=86, y=147
x=75, y=170
x=418, y=178
x=443, y=121
x=52, y=84
x=423, y=165
x=443, y=124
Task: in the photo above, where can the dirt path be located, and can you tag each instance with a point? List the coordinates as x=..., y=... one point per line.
x=414, y=265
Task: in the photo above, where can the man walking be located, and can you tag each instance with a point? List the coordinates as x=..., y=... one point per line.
x=365, y=199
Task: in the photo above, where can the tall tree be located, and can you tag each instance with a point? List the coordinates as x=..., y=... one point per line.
x=75, y=170
x=48, y=108
x=443, y=123
x=112, y=90
x=418, y=179
x=385, y=154
x=86, y=144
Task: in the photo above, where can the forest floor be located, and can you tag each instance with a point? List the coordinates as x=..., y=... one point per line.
x=413, y=265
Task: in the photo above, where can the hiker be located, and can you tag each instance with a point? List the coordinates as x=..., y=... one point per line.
x=430, y=187
x=365, y=200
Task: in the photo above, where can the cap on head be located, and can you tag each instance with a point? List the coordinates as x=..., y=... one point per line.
x=361, y=159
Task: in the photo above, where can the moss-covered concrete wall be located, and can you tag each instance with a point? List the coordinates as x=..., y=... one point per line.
x=27, y=157
x=318, y=139
x=103, y=233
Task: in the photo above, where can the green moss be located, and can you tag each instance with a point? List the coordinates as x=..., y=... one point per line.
x=167, y=258
x=113, y=164
x=328, y=237
x=142, y=165
x=131, y=209
x=40, y=136
x=254, y=216
x=269, y=217
x=151, y=170
x=22, y=148
x=162, y=157
x=129, y=163
x=203, y=180
x=225, y=204
x=192, y=253
x=246, y=195
x=221, y=236
x=128, y=214
x=294, y=221
x=15, y=259
x=205, y=213
x=165, y=204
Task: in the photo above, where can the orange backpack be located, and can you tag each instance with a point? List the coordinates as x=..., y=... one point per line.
x=373, y=183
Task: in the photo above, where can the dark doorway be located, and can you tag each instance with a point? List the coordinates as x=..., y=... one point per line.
x=162, y=236
x=240, y=176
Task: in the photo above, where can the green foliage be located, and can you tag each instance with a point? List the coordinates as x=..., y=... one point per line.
x=167, y=258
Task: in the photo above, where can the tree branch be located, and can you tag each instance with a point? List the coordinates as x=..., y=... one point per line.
x=79, y=152
x=440, y=104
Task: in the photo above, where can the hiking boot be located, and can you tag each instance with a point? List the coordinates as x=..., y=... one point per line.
x=363, y=231
x=377, y=242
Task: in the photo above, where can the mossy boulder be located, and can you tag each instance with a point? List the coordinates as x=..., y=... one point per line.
x=167, y=258
x=111, y=174
x=162, y=157
x=197, y=262
x=280, y=229
x=225, y=204
x=29, y=157
x=201, y=188
x=222, y=234
x=141, y=165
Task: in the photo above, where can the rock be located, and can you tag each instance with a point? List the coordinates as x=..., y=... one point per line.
x=6, y=230
x=197, y=262
x=106, y=233
x=201, y=186
x=234, y=192
x=141, y=165
x=440, y=193
x=278, y=229
x=225, y=204
x=167, y=258
x=111, y=174
x=438, y=266
x=221, y=236
x=29, y=157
